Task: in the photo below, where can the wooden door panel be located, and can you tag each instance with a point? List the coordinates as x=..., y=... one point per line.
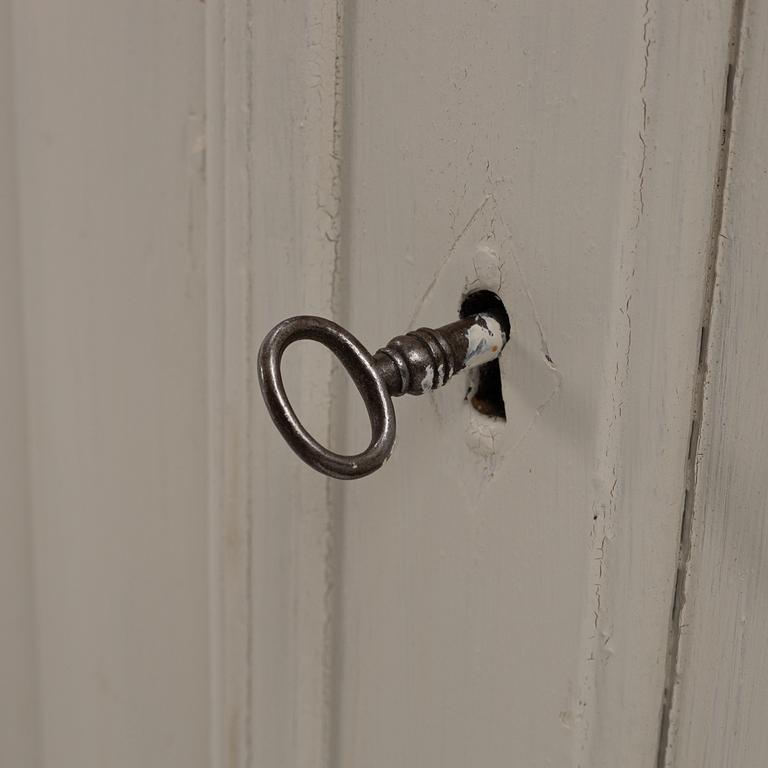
x=579, y=584
x=110, y=156
x=720, y=699
x=505, y=589
x=497, y=593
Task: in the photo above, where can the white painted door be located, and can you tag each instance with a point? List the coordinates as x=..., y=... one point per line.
x=578, y=585
x=104, y=616
x=500, y=593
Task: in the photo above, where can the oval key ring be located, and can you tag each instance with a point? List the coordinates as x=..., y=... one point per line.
x=414, y=363
x=369, y=382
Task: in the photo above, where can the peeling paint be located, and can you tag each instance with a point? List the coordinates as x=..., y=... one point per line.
x=484, y=342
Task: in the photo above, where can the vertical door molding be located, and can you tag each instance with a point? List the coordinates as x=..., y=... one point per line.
x=274, y=99
x=678, y=96
x=19, y=711
x=720, y=673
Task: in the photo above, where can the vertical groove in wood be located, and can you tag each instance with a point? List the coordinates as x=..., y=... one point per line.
x=320, y=258
x=221, y=643
x=637, y=510
x=229, y=68
x=720, y=695
x=19, y=711
x=278, y=187
x=340, y=390
x=249, y=387
x=667, y=726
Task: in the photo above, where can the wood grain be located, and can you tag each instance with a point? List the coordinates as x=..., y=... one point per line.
x=111, y=147
x=721, y=695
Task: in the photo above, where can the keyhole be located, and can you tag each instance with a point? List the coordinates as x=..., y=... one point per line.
x=484, y=390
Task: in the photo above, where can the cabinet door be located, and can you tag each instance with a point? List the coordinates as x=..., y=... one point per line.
x=501, y=592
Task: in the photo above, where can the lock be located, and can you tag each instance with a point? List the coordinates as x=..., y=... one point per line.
x=413, y=363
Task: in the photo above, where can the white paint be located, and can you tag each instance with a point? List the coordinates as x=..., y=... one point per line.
x=275, y=114
x=720, y=705
x=484, y=342
x=498, y=592
x=110, y=137
x=505, y=590
x=19, y=712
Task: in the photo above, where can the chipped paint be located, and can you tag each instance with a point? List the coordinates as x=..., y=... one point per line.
x=485, y=340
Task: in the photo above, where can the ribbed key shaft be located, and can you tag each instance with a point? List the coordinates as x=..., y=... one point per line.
x=426, y=358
